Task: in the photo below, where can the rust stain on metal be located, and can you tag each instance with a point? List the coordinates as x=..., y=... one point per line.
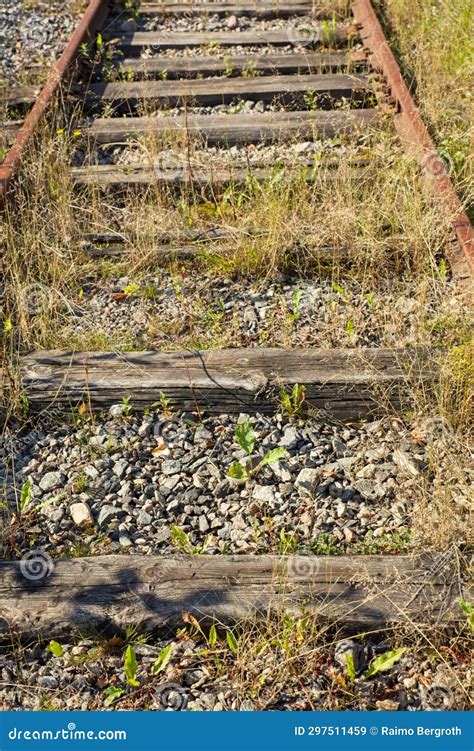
x=90, y=21
x=414, y=134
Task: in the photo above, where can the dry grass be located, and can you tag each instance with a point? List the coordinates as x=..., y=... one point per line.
x=377, y=222
x=436, y=49
x=280, y=662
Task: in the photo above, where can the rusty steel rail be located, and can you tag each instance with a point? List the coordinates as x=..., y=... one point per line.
x=414, y=133
x=92, y=20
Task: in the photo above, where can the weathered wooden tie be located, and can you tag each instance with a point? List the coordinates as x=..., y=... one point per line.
x=18, y=95
x=231, y=65
x=236, y=129
x=162, y=244
x=311, y=36
x=110, y=593
x=341, y=383
x=262, y=9
x=178, y=174
x=223, y=90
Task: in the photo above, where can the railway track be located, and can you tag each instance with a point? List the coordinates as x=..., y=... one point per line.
x=309, y=76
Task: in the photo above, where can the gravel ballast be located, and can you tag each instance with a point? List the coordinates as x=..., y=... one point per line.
x=87, y=674
x=177, y=309
x=128, y=483
x=32, y=34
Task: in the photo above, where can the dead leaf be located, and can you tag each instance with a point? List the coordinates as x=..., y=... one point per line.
x=115, y=641
x=159, y=449
x=419, y=435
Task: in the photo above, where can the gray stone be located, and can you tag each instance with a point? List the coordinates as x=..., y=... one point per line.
x=120, y=468
x=290, y=438
x=107, y=514
x=117, y=410
x=163, y=535
x=144, y=429
x=55, y=515
x=222, y=489
x=171, y=482
x=343, y=464
x=403, y=462
x=124, y=540
x=202, y=434
x=170, y=467
x=340, y=448
x=280, y=470
x=203, y=524
x=367, y=489
x=144, y=519
x=48, y=681
x=51, y=480
x=308, y=479
x=98, y=440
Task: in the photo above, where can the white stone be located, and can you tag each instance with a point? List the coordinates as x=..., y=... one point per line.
x=263, y=494
x=120, y=468
x=403, y=462
x=203, y=524
x=117, y=410
x=81, y=514
x=290, y=438
x=232, y=22
x=348, y=534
